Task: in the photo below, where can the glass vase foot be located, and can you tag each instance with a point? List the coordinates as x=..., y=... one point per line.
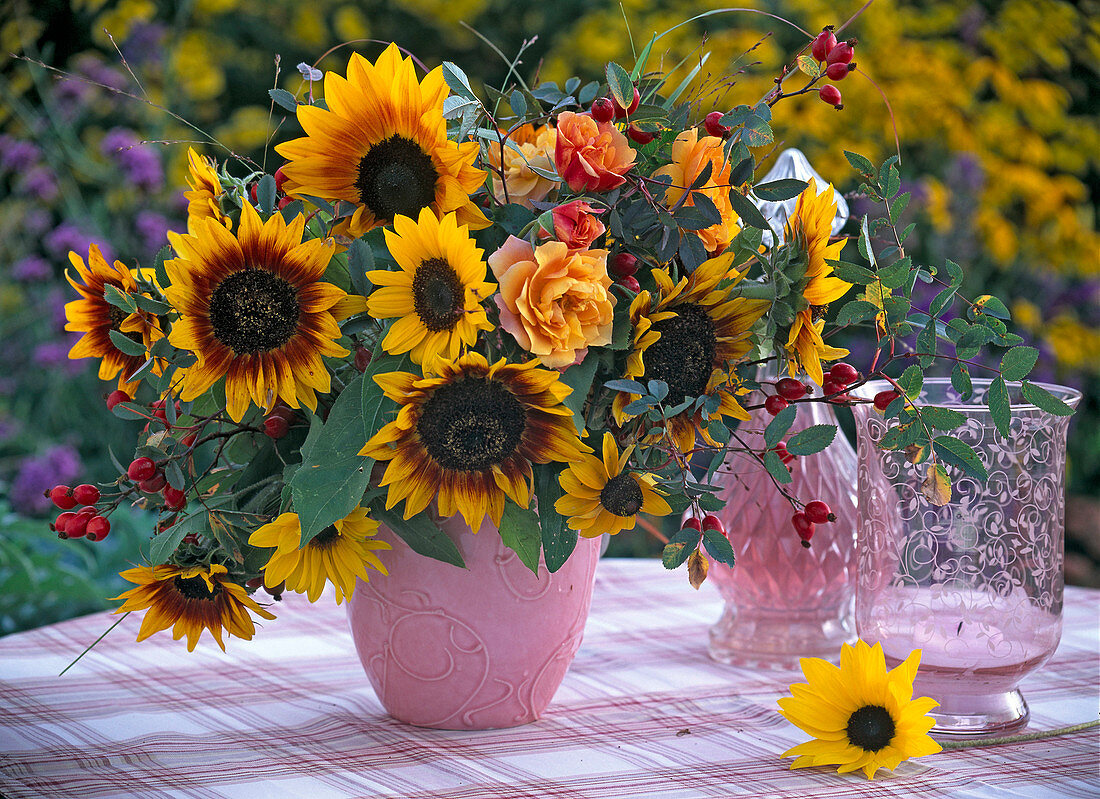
x=777, y=640
x=962, y=715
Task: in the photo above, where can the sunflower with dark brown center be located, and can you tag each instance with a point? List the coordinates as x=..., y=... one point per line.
x=255, y=310
x=601, y=497
x=190, y=601
x=382, y=145
x=468, y=432
x=437, y=294
x=690, y=335
x=93, y=316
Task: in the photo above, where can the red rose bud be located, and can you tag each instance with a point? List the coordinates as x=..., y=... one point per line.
x=280, y=179
x=823, y=45
x=252, y=192
x=98, y=527
x=188, y=440
x=844, y=373
x=603, y=109
x=774, y=404
x=790, y=389
x=842, y=53
x=884, y=398
x=818, y=512
x=115, y=397
x=838, y=71
x=640, y=136
x=623, y=264
x=141, y=469
x=630, y=282
x=576, y=225
x=85, y=494
x=62, y=497
x=831, y=95
x=713, y=126
x=154, y=484
x=276, y=426
x=621, y=112
x=831, y=386
x=692, y=523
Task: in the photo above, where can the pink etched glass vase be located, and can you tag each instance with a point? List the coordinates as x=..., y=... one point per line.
x=476, y=648
x=975, y=584
x=784, y=601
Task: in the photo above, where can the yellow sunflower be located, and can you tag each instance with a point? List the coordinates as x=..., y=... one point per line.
x=255, y=310
x=338, y=554
x=601, y=498
x=808, y=232
x=93, y=316
x=195, y=599
x=862, y=716
x=437, y=295
x=206, y=188
x=468, y=432
x=383, y=146
x=688, y=335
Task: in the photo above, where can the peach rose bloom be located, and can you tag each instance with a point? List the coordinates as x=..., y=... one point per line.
x=535, y=148
x=555, y=302
x=576, y=224
x=689, y=158
x=591, y=155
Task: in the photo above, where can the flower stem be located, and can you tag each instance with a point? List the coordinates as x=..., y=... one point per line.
x=1027, y=736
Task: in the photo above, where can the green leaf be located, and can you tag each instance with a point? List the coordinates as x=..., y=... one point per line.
x=119, y=299
x=895, y=275
x=960, y=380
x=942, y=418
x=852, y=273
x=898, y=207
x=776, y=468
x=991, y=306
x=718, y=547
x=1000, y=407
x=360, y=261
x=941, y=301
x=960, y=455
x=812, y=440
x=778, y=427
x=520, y=532
x=125, y=344
x=856, y=311
x=1018, y=362
x=284, y=100
x=639, y=63
x=860, y=163
x=757, y=132
x=680, y=547
x=558, y=539
x=332, y=478
x=911, y=382
x=457, y=81
x=1044, y=400
x=420, y=533
x=579, y=378
x=779, y=190
x=518, y=103
x=749, y=213
x=809, y=65
x=265, y=195
x=927, y=343
x=163, y=254
x=618, y=81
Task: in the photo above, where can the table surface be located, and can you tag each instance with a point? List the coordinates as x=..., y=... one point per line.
x=643, y=713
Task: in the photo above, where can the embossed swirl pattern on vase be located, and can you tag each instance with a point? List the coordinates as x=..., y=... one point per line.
x=476, y=648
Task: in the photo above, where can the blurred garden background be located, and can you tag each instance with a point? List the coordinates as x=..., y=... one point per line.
x=995, y=104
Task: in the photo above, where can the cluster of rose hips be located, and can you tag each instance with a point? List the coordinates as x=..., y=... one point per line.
x=807, y=519
x=622, y=266
x=709, y=522
x=787, y=391
x=605, y=109
x=150, y=479
x=837, y=381
x=84, y=522
x=837, y=57
x=277, y=423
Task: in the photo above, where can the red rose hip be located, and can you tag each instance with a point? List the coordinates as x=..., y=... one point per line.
x=692, y=523
x=838, y=71
x=831, y=95
x=115, y=397
x=86, y=494
x=630, y=282
x=98, y=527
x=844, y=373
x=712, y=522
x=623, y=264
x=823, y=44
x=884, y=398
x=621, y=112
x=790, y=389
x=714, y=127
x=141, y=469
x=603, y=109
x=640, y=136
x=841, y=54
x=174, y=499
x=803, y=526
x=154, y=484
x=819, y=512
x=774, y=404
x=62, y=497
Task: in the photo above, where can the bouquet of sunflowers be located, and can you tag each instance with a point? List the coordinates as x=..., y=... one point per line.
x=545, y=306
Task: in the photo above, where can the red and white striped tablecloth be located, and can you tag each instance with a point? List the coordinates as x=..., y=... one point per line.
x=643, y=714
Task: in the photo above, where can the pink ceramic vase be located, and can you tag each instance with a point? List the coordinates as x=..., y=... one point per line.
x=476, y=648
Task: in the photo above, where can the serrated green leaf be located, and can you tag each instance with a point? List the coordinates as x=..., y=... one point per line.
x=579, y=378
x=941, y=301
x=896, y=274
x=779, y=190
x=992, y=306
x=778, y=427
x=265, y=195
x=457, y=81
x=812, y=440
x=942, y=418
x=960, y=380
x=860, y=163
x=852, y=273
x=1044, y=400
x=1000, y=407
x=618, y=81
x=856, y=311
x=284, y=100
x=749, y=213
x=520, y=532
x=960, y=455
x=118, y=298
x=1017, y=363
x=776, y=468
x=911, y=382
x=718, y=547
x=125, y=344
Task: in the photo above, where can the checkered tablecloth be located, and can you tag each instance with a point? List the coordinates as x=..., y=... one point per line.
x=643, y=713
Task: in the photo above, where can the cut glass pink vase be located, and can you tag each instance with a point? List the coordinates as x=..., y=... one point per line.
x=470, y=649
x=784, y=601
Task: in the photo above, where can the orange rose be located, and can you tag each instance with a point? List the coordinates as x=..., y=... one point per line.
x=689, y=158
x=555, y=302
x=528, y=147
x=591, y=155
x=575, y=224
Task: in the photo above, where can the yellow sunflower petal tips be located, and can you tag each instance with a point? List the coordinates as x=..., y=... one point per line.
x=860, y=715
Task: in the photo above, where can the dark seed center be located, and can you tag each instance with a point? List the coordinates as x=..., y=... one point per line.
x=117, y=316
x=396, y=177
x=438, y=295
x=684, y=355
x=194, y=588
x=254, y=311
x=817, y=312
x=621, y=495
x=871, y=728
x=325, y=538
x=472, y=424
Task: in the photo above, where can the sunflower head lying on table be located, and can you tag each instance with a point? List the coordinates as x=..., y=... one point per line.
x=442, y=306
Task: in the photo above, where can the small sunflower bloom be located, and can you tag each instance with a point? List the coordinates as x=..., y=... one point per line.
x=338, y=554
x=602, y=497
x=436, y=295
x=189, y=601
x=206, y=189
x=861, y=715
